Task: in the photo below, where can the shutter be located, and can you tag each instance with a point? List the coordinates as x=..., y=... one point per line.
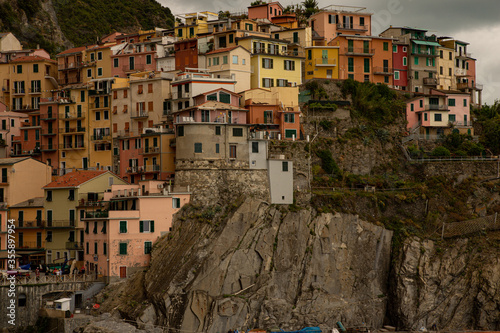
x=152, y=226
x=141, y=226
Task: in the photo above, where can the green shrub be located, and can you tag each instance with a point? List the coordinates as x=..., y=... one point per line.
x=328, y=163
x=441, y=151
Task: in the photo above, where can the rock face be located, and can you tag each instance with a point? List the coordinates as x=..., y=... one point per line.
x=267, y=267
x=455, y=289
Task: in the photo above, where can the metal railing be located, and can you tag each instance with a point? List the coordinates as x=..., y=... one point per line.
x=71, y=129
x=430, y=53
x=30, y=245
x=101, y=137
x=72, y=115
x=100, y=214
x=430, y=81
x=151, y=150
x=383, y=70
x=325, y=62
x=152, y=168
x=471, y=226
x=359, y=50
x=29, y=224
x=436, y=107
x=60, y=224
x=74, y=246
x=139, y=114
x=343, y=26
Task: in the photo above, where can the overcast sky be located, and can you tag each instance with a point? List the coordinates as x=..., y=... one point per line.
x=474, y=21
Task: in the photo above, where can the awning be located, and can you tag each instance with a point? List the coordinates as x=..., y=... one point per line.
x=421, y=42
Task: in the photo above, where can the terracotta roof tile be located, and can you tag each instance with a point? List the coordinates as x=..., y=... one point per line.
x=77, y=49
x=223, y=50
x=75, y=178
x=34, y=58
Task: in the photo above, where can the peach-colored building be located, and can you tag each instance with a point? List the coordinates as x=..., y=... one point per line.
x=121, y=243
x=438, y=112
x=333, y=21
x=265, y=10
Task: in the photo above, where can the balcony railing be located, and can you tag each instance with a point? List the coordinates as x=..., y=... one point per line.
x=29, y=224
x=100, y=214
x=48, y=116
x=360, y=27
x=436, y=107
x=139, y=114
x=100, y=137
x=359, y=51
x=30, y=245
x=460, y=72
x=127, y=133
x=74, y=246
x=72, y=115
x=135, y=68
x=150, y=150
x=75, y=65
x=152, y=168
x=461, y=123
x=72, y=130
x=429, y=53
x=48, y=132
x=79, y=145
x=462, y=54
x=327, y=62
x=48, y=148
x=383, y=70
x=35, y=90
x=60, y=224
x=430, y=81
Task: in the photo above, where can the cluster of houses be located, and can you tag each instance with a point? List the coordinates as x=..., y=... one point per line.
x=105, y=127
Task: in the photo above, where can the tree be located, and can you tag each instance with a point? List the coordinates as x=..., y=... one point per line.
x=310, y=7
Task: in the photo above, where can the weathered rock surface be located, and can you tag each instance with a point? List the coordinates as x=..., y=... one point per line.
x=266, y=267
x=455, y=289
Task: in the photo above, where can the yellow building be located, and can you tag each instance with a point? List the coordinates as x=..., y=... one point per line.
x=322, y=62
x=68, y=200
x=26, y=80
x=272, y=64
x=299, y=39
x=192, y=24
x=30, y=231
x=446, y=68
x=102, y=64
x=232, y=62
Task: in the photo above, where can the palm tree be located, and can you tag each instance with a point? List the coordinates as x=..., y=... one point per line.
x=310, y=7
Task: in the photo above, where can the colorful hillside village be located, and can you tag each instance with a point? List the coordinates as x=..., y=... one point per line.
x=93, y=141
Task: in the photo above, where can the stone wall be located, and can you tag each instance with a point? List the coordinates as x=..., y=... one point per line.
x=461, y=169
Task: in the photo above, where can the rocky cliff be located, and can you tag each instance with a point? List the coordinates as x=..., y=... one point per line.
x=262, y=266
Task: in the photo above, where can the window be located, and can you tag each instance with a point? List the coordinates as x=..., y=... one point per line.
x=405, y=61
x=99, y=71
x=238, y=131
x=289, y=133
x=146, y=226
x=255, y=147
x=267, y=63
x=367, y=65
x=97, y=116
x=217, y=148
x=281, y=83
x=416, y=60
x=224, y=97
x=425, y=116
x=243, y=61
x=289, y=118
x=139, y=89
x=451, y=102
x=180, y=130
x=217, y=130
x=465, y=102
x=416, y=75
x=396, y=75
x=35, y=68
x=89, y=72
x=205, y=116
x=21, y=300
x=267, y=82
x=231, y=38
x=438, y=117
x=176, y=203
x=284, y=166
x=148, y=59
x=197, y=147
x=289, y=65
x=394, y=48
x=224, y=60
x=104, y=248
x=235, y=59
x=215, y=61
x=19, y=69
x=451, y=118
x=123, y=227
x=386, y=46
x=421, y=103
x=87, y=248
x=179, y=32
x=350, y=64
x=147, y=247
x=49, y=192
x=232, y=151
x=115, y=62
x=95, y=247
x=5, y=180
x=48, y=238
x=123, y=248
x=71, y=196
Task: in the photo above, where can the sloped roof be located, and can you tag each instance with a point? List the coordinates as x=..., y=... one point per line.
x=12, y=160
x=75, y=178
x=227, y=49
x=34, y=58
x=77, y=49
x=34, y=202
x=219, y=89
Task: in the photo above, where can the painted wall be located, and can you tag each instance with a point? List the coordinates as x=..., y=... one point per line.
x=281, y=181
x=322, y=62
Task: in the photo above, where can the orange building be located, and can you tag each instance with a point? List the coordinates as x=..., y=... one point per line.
x=365, y=58
x=265, y=10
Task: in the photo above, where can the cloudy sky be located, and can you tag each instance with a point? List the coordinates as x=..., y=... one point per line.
x=476, y=22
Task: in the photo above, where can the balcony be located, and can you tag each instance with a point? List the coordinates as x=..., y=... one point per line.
x=425, y=53
x=139, y=115
x=68, y=146
x=75, y=65
x=361, y=51
x=430, y=81
x=462, y=55
x=101, y=137
x=72, y=115
x=127, y=134
x=100, y=214
x=356, y=27
x=29, y=224
x=325, y=62
x=30, y=245
x=72, y=130
x=49, y=148
x=182, y=95
x=135, y=68
x=19, y=92
x=461, y=123
x=35, y=91
x=49, y=132
x=32, y=152
x=150, y=150
x=436, y=107
x=61, y=224
x=172, y=143
x=48, y=116
x=383, y=70
x=74, y=246
x=98, y=92
x=135, y=169
x=152, y=168
x=460, y=72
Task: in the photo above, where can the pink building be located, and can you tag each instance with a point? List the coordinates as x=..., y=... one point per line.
x=135, y=57
x=216, y=106
x=265, y=11
x=121, y=243
x=341, y=20
x=438, y=113
x=400, y=65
